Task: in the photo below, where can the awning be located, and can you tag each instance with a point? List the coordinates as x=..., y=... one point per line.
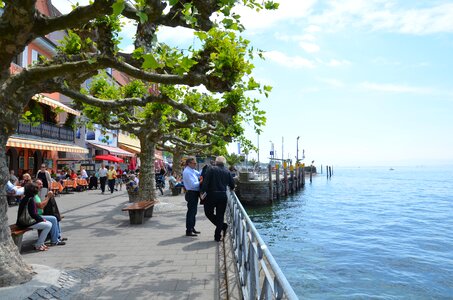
x=54, y=103
x=112, y=150
x=32, y=144
x=129, y=148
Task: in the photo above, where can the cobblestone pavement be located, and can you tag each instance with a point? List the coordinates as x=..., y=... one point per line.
x=107, y=258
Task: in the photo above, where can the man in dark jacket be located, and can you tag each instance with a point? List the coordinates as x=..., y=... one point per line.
x=215, y=186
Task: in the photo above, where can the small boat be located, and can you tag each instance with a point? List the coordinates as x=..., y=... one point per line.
x=391, y=169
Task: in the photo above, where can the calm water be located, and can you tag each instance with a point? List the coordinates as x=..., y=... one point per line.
x=368, y=233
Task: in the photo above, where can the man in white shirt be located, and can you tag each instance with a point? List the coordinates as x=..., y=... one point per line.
x=191, y=178
x=103, y=177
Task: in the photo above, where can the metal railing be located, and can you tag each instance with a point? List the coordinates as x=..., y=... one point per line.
x=259, y=274
x=46, y=130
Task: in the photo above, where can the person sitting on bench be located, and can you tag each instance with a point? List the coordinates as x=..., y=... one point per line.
x=28, y=203
x=52, y=215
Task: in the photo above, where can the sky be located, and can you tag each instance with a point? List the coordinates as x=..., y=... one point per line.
x=360, y=82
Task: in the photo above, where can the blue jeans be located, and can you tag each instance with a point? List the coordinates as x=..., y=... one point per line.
x=192, y=204
x=45, y=228
x=55, y=232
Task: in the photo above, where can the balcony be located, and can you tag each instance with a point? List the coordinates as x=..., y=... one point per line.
x=46, y=130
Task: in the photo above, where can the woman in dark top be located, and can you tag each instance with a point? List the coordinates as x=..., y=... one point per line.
x=31, y=190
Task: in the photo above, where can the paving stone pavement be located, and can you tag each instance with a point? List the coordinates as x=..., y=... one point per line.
x=107, y=258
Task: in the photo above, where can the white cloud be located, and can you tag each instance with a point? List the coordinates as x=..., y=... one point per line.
x=338, y=63
x=397, y=88
x=309, y=47
x=385, y=15
x=289, y=61
x=332, y=82
x=179, y=35
x=288, y=9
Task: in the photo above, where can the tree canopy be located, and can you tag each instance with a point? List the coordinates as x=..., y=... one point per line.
x=220, y=64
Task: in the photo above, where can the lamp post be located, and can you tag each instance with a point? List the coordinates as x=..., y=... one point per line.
x=272, y=150
x=297, y=150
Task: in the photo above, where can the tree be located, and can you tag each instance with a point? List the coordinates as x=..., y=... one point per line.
x=92, y=45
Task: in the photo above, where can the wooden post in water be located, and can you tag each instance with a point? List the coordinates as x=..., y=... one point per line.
x=327, y=172
x=277, y=181
x=330, y=172
x=271, y=191
x=285, y=177
x=303, y=175
x=311, y=172
x=293, y=181
x=321, y=169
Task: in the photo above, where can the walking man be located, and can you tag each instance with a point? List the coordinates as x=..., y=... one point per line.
x=215, y=185
x=191, y=179
x=103, y=177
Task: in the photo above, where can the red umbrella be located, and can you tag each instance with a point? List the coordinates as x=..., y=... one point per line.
x=108, y=157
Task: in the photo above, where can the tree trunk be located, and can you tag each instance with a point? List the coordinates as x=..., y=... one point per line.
x=177, y=156
x=13, y=269
x=147, y=183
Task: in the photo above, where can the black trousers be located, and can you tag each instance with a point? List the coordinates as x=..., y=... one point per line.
x=103, y=181
x=192, y=204
x=216, y=201
x=111, y=185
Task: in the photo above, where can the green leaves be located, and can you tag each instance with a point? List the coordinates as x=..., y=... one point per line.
x=271, y=5
x=71, y=44
x=118, y=7
x=149, y=62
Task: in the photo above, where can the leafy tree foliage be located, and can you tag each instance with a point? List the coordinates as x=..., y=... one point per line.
x=221, y=65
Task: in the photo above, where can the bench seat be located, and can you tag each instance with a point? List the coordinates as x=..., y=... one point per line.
x=139, y=210
x=17, y=234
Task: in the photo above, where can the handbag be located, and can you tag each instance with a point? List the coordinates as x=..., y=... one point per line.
x=25, y=219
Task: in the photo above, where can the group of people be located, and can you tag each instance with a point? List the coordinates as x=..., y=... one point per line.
x=211, y=187
x=114, y=179
x=39, y=205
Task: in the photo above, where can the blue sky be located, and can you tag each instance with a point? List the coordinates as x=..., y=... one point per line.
x=362, y=82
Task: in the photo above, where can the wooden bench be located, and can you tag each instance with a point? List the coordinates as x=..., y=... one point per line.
x=139, y=210
x=17, y=234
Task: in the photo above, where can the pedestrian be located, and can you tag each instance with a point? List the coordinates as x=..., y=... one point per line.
x=191, y=179
x=44, y=176
x=215, y=186
x=119, y=179
x=102, y=177
x=111, y=177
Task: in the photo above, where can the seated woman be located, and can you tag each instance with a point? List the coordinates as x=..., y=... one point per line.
x=132, y=185
x=28, y=203
x=175, y=182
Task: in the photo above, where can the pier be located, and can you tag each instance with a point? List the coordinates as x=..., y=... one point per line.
x=263, y=188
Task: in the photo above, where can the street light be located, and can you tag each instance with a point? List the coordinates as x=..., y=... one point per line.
x=297, y=150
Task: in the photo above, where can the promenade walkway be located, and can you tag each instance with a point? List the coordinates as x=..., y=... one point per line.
x=107, y=258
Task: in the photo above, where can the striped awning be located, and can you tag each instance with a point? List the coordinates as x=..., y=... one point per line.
x=112, y=150
x=32, y=144
x=54, y=103
x=129, y=148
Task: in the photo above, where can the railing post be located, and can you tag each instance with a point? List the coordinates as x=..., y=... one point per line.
x=259, y=275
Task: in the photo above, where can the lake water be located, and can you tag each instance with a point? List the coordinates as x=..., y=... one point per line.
x=366, y=233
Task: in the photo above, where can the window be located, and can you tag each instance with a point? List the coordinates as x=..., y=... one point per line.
x=36, y=57
x=22, y=58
